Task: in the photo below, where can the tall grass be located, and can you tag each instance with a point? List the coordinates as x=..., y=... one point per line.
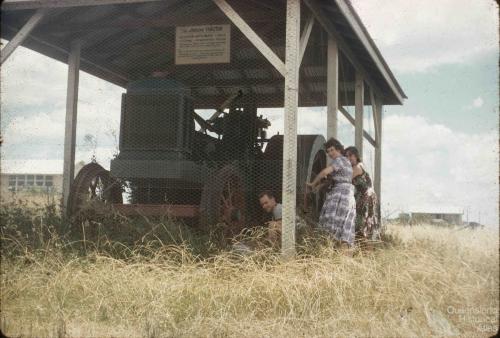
x=425, y=281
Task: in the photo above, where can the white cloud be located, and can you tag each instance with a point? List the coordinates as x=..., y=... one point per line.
x=41, y=166
x=22, y=129
x=478, y=102
x=31, y=83
x=425, y=163
x=416, y=36
x=34, y=104
x=99, y=120
x=32, y=166
x=31, y=79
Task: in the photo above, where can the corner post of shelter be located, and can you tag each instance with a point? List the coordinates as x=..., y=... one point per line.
x=378, y=148
x=358, y=119
x=71, y=119
x=332, y=88
x=290, y=126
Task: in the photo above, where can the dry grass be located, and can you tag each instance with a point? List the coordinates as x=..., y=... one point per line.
x=32, y=198
x=427, y=281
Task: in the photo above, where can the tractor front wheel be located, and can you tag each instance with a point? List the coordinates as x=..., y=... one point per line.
x=93, y=184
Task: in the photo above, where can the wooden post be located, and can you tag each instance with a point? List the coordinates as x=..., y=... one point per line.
x=290, y=137
x=332, y=88
x=71, y=118
x=378, y=149
x=359, y=102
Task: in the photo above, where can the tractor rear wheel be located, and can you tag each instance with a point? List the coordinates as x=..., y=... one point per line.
x=313, y=201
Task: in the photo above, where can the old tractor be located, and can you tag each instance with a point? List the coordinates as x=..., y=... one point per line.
x=209, y=176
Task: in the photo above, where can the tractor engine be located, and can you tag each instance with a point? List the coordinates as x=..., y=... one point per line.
x=156, y=141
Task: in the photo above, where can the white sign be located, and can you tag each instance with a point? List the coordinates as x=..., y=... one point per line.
x=202, y=44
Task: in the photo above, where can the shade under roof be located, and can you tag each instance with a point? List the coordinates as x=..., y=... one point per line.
x=122, y=43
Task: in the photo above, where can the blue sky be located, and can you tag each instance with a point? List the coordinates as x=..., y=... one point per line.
x=440, y=148
x=462, y=96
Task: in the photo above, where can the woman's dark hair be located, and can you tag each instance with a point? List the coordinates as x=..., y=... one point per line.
x=334, y=143
x=353, y=150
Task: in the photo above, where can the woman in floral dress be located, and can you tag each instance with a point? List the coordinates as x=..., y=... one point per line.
x=339, y=209
x=367, y=220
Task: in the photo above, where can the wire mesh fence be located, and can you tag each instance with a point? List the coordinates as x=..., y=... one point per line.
x=198, y=135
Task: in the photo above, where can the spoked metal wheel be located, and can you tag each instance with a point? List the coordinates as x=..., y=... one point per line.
x=314, y=199
x=92, y=185
x=311, y=160
x=223, y=201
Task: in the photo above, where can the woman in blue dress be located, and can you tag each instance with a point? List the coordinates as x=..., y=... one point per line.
x=339, y=209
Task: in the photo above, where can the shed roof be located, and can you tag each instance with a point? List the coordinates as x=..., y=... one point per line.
x=437, y=209
x=128, y=40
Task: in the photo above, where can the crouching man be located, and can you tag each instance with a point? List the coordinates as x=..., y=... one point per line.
x=268, y=202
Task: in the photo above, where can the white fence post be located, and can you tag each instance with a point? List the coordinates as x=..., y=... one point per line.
x=71, y=118
x=332, y=88
x=290, y=137
x=359, y=102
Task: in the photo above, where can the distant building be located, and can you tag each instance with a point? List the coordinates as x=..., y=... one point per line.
x=436, y=215
x=404, y=217
x=29, y=179
x=32, y=182
x=474, y=225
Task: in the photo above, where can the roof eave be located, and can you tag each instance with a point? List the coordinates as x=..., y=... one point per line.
x=361, y=32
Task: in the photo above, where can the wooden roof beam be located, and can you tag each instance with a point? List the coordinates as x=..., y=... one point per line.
x=304, y=38
x=251, y=35
x=22, y=34
x=343, y=46
x=61, y=54
x=351, y=119
x=164, y=21
x=11, y=5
